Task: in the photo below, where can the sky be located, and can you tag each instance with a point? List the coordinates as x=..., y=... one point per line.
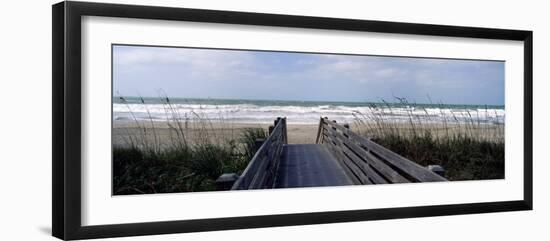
x=243, y=74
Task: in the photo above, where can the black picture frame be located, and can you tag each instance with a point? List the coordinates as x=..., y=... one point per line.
x=66, y=47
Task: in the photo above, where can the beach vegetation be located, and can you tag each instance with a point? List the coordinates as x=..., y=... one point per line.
x=465, y=143
x=188, y=161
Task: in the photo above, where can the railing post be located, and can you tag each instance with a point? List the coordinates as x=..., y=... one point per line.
x=258, y=143
x=226, y=181
x=437, y=169
x=319, y=131
x=345, y=133
x=285, y=131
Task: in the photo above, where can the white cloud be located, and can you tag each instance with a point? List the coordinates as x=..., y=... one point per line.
x=212, y=63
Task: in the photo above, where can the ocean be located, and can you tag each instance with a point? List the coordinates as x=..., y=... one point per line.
x=298, y=112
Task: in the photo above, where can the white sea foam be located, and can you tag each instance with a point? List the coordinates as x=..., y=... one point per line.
x=250, y=113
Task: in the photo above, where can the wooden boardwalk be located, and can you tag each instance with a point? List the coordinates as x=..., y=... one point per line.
x=339, y=157
x=309, y=165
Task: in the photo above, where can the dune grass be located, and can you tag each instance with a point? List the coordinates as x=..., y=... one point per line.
x=145, y=164
x=465, y=146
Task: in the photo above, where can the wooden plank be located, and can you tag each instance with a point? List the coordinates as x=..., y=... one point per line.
x=355, y=171
x=381, y=161
x=329, y=139
x=279, y=142
x=381, y=167
x=265, y=160
x=258, y=177
x=387, y=171
x=275, y=164
x=413, y=169
x=273, y=154
x=347, y=132
x=248, y=174
x=338, y=157
x=263, y=173
x=405, y=165
x=310, y=165
x=369, y=172
x=360, y=175
x=349, y=172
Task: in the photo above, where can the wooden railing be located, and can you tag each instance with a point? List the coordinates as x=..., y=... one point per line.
x=367, y=162
x=262, y=169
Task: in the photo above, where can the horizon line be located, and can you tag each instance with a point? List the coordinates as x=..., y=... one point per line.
x=288, y=100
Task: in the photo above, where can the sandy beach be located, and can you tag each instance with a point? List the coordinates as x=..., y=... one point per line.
x=122, y=131
x=297, y=133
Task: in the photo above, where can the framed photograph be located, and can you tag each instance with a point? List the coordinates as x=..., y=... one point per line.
x=169, y=120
